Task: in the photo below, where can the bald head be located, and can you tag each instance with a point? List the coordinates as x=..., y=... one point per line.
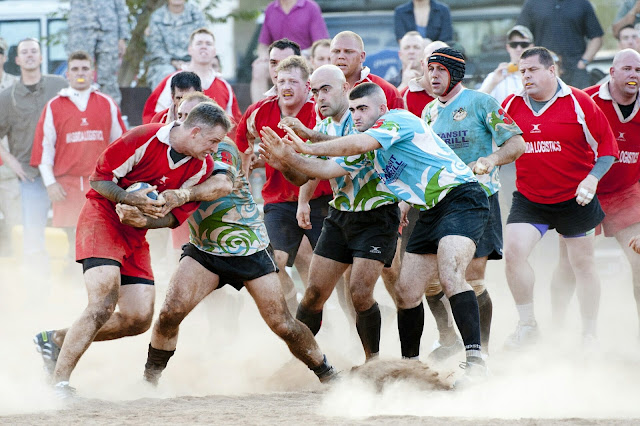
x=625, y=76
x=328, y=73
x=329, y=88
x=432, y=47
x=625, y=56
x=351, y=36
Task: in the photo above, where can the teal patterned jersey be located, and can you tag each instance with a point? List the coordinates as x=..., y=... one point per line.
x=474, y=125
x=232, y=225
x=413, y=161
x=361, y=189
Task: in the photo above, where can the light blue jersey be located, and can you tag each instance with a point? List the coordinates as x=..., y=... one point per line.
x=361, y=189
x=232, y=225
x=414, y=163
x=474, y=125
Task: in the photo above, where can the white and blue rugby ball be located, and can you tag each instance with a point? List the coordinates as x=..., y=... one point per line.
x=143, y=185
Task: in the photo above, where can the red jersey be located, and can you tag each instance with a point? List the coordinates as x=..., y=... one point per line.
x=161, y=117
x=626, y=172
x=143, y=155
x=71, y=139
x=415, y=98
x=563, y=141
x=219, y=90
x=394, y=100
x=277, y=189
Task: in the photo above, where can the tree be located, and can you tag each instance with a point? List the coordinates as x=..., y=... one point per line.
x=141, y=11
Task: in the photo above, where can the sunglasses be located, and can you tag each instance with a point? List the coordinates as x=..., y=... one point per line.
x=523, y=44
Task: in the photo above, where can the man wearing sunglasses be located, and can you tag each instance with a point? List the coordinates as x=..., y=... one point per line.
x=506, y=79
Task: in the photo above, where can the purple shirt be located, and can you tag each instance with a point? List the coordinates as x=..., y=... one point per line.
x=304, y=24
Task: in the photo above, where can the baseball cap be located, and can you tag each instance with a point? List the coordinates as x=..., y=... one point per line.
x=522, y=30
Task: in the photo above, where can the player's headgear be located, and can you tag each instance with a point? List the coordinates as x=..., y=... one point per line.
x=453, y=61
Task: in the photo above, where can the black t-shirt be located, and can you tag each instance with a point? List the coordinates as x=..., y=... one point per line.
x=561, y=25
x=626, y=110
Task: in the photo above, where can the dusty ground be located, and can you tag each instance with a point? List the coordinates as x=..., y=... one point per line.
x=229, y=369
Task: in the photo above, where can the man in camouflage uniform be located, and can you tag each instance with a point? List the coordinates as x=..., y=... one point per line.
x=101, y=28
x=167, y=35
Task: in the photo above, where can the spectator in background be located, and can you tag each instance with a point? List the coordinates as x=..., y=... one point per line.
x=418, y=92
x=9, y=187
x=320, y=53
x=102, y=29
x=167, y=35
x=430, y=18
x=21, y=106
x=564, y=27
x=628, y=14
x=411, y=49
x=506, y=79
x=300, y=21
x=74, y=128
x=628, y=38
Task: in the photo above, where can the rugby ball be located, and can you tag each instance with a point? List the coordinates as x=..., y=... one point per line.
x=143, y=185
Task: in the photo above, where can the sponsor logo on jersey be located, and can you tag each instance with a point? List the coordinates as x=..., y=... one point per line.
x=163, y=179
x=536, y=128
x=620, y=136
x=543, y=147
x=85, y=136
x=455, y=139
x=628, y=157
x=84, y=121
x=392, y=170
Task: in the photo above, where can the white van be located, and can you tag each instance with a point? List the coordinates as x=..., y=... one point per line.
x=42, y=20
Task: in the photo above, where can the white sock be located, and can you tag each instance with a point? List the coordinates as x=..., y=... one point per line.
x=589, y=327
x=526, y=313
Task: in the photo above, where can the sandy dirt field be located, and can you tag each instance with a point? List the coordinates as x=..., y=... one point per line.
x=230, y=369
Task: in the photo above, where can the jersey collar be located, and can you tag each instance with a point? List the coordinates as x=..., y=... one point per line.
x=605, y=94
x=415, y=86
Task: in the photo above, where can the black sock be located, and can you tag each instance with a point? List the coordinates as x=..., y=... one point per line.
x=410, y=326
x=310, y=319
x=368, y=326
x=157, y=360
x=440, y=314
x=465, y=311
x=485, y=306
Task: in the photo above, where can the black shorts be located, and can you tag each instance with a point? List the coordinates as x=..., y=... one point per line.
x=282, y=225
x=567, y=217
x=490, y=243
x=233, y=270
x=369, y=235
x=463, y=211
x=93, y=262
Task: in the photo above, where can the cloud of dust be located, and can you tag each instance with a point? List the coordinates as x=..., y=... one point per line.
x=226, y=349
x=556, y=379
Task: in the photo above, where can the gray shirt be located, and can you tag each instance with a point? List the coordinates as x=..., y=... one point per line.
x=21, y=109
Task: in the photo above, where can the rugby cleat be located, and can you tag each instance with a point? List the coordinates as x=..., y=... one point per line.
x=64, y=391
x=329, y=376
x=475, y=372
x=524, y=336
x=152, y=375
x=48, y=349
x=441, y=352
